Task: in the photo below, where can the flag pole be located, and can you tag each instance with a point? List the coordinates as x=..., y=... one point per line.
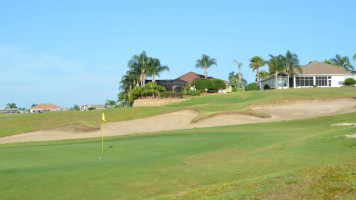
x=102, y=136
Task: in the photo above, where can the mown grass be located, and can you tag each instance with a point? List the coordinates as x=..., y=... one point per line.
x=207, y=105
x=323, y=182
x=185, y=163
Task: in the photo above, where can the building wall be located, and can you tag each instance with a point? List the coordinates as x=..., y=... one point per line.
x=336, y=81
x=272, y=83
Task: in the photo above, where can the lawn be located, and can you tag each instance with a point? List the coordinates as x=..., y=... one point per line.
x=207, y=105
x=212, y=163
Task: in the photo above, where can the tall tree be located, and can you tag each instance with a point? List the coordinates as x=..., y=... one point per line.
x=276, y=65
x=291, y=62
x=205, y=63
x=255, y=64
x=155, y=68
x=139, y=64
x=239, y=65
x=11, y=106
x=354, y=57
x=343, y=62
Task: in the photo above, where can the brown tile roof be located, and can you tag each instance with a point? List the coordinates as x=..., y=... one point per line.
x=316, y=67
x=191, y=76
x=46, y=106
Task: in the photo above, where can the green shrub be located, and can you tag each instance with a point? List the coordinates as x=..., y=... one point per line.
x=314, y=86
x=251, y=86
x=92, y=108
x=236, y=89
x=266, y=87
x=218, y=84
x=202, y=83
x=350, y=81
x=195, y=93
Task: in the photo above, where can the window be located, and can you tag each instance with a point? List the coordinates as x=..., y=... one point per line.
x=322, y=81
x=304, y=81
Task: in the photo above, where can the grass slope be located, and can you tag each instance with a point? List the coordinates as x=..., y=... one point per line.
x=178, y=162
x=207, y=105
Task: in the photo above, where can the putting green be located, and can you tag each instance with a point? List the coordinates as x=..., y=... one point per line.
x=151, y=165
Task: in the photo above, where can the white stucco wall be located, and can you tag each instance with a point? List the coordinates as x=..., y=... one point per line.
x=336, y=81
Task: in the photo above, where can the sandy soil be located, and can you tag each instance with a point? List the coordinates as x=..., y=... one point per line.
x=182, y=120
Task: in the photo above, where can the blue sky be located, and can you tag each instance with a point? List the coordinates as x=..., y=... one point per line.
x=75, y=52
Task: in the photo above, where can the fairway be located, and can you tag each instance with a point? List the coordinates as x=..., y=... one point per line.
x=208, y=106
x=165, y=164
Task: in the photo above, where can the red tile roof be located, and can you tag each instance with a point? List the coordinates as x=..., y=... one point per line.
x=191, y=76
x=45, y=106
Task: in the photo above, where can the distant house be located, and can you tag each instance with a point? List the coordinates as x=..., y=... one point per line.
x=178, y=84
x=314, y=73
x=8, y=110
x=98, y=106
x=41, y=108
x=84, y=107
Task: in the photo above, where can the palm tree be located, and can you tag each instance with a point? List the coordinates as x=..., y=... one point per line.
x=276, y=65
x=235, y=82
x=110, y=103
x=354, y=57
x=239, y=66
x=155, y=68
x=155, y=89
x=255, y=64
x=263, y=74
x=205, y=63
x=291, y=63
x=139, y=64
x=11, y=106
x=343, y=62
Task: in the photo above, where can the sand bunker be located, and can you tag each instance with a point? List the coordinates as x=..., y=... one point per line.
x=183, y=120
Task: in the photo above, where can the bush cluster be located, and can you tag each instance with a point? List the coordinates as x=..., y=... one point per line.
x=213, y=85
x=92, y=108
x=350, y=81
x=195, y=93
x=251, y=87
x=266, y=87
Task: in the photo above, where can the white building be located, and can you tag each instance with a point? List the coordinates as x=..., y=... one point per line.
x=8, y=110
x=314, y=73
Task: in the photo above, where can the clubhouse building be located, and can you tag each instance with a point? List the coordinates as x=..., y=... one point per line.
x=314, y=73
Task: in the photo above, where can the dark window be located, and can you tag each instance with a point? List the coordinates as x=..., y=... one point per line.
x=304, y=81
x=321, y=81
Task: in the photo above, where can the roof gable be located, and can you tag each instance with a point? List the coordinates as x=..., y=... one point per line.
x=191, y=76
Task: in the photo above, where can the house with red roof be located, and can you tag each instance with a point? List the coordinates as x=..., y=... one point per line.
x=178, y=84
x=47, y=107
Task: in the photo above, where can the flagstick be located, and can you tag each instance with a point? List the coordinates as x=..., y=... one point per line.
x=102, y=136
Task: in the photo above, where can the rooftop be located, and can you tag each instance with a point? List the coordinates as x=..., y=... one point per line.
x=316, y=67
x=45, y=106
x=191, y=76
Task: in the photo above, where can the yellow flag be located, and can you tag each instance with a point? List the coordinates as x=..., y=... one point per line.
x=103, y=117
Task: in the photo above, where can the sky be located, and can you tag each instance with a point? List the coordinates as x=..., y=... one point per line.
x=75, y=52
